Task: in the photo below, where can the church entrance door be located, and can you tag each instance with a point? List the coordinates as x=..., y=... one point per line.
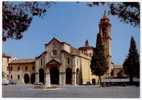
x=54, y=75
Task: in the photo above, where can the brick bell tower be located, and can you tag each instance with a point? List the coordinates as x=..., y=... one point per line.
x=105, y=33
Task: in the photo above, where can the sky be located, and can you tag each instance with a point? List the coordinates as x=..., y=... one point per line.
x=72, y=23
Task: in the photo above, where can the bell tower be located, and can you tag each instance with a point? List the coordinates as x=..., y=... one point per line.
x=105, y=33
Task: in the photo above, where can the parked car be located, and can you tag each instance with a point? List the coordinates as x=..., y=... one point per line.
x=12, y=82
x=38, y=85
x=5, y=82
x=88, y=83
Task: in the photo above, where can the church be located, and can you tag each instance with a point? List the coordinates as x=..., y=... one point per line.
x=60, y=63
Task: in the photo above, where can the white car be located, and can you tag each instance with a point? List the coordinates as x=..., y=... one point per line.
x=5, y=82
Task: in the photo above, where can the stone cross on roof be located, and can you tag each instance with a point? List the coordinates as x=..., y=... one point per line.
x=86, y=43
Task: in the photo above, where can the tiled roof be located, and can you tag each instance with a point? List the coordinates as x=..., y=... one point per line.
x=41, y=55
x=23, y=61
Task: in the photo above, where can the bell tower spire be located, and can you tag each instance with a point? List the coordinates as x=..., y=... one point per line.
x=105, y=26
x=105, y=34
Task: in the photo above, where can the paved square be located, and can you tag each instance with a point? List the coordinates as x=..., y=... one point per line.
x=71, y=92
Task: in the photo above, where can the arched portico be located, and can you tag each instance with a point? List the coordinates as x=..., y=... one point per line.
x=41, y=75
x=26, y=78
x=33, y=78
x=54, y=75
x=68, y=76
x=53, y=72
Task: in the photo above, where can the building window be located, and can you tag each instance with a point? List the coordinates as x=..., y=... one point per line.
x=33, y=68
x=8, y=68
x=26, y=68
x=54, y=52
x=68, y=59
x=41, y=61
x=18, y=77
x=77, y=62
x=11, y=68
x=18, y=68
x=11, y=77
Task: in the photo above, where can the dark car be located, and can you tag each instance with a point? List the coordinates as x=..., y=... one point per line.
x=5, y=82
x=38, y=85
x=12, y=82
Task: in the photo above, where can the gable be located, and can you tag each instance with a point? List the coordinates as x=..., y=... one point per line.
x=54, y=41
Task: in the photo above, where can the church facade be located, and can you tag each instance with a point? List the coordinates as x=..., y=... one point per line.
x=61, y=63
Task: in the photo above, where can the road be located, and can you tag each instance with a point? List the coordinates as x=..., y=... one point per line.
x=70, y=92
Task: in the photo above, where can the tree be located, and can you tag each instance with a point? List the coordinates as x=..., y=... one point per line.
x=17, y=17
x=99, y=62
x=131, y=64
x=128, y=12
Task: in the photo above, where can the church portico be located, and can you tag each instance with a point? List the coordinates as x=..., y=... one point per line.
x=47, y=78
x=56, y=74
x=68, y=76
x=62, y=78
x=52, y=73
x=74, y=82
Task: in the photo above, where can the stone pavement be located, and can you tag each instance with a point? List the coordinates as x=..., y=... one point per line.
x=70, y=92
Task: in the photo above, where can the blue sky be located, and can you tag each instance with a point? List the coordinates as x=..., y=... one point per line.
x=72, y=23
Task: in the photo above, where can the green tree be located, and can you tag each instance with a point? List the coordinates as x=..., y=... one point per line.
x=131, y=64
x=99, y=62
x=17, y=17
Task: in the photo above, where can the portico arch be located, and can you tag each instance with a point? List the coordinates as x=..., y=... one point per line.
x=54, y=75
x=68, y=76
x=41, y=75
x=26, y=78
x=53, y=66
x=32, y=78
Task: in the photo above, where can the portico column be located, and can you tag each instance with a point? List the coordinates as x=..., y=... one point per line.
x=74, y=78
x=36, y=77
x=62, y=78
x=47, y=78
x=22, y=79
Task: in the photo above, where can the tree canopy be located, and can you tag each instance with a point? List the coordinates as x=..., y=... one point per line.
x=17, y=17
x=99, y=62
x=131, y=64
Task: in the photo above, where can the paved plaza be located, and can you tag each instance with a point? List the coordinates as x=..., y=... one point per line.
x=70, y=92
